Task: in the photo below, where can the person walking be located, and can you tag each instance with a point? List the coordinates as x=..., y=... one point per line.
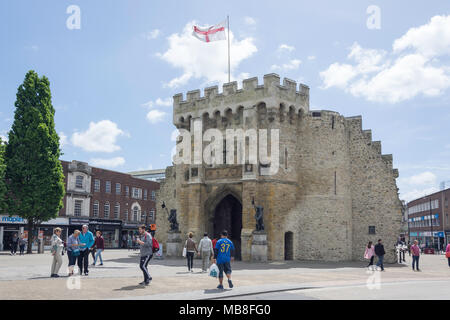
x=191, y=248
x=145, y=242
x=223, y=256
x=14, y=242
x=379, y=251
x=205, y=248
x=214, y=241
x=447, y=253
x=73, y=250
x=56, y=249
x=100, y=247
x=22, y=244
x=130, y=242
x=87, y=239
x=370, y=254
x=415, y=250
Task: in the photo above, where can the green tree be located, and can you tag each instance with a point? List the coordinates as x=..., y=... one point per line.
x=2, y=177
x=34, y=175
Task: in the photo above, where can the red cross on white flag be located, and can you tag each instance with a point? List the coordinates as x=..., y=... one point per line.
x=214, y=33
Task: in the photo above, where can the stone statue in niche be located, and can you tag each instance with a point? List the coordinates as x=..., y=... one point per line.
x=259, y=216
x=172, y=218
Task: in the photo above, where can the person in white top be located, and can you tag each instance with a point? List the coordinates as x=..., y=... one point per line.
x=205, y=248
x=57, y=248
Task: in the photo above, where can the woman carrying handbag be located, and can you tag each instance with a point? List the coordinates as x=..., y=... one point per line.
x=447, y=253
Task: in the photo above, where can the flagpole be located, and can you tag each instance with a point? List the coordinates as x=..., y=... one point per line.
x=229, y=72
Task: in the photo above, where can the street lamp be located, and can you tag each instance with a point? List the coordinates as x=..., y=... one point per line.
x=431, y=225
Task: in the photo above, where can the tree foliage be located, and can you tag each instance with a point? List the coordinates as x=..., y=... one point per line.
x=2, y=177
x=34, y=175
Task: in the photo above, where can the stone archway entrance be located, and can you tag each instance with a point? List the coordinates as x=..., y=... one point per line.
x=228, y=216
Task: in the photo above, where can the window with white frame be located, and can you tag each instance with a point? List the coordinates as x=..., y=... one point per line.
x=97, y=185
x=106, y=210
x=79, y=182
x=118, y=188
x=135, y=213
x=153, y=195
x=96, y=209
x=78, y=208
x=152, y=215
x=127, y=191
x=126, y=215
x=136, y=193
x=145, y=194
x=116, y=210
x=108, y=186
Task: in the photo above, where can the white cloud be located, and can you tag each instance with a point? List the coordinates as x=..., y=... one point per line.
x=423, y=178
x=311, y=58
x=150, y=35
x=107, y=163
x=201, y=60
x=100, y=137
x=285, y=47
x=155, y=116
x=415, y=194
x=397, y=76
x=4, y=138
x=168, y=102
x=293, y=64
x=63, y=140
x=249, y=21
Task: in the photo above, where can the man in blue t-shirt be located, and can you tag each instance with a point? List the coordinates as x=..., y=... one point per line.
x=223, y=252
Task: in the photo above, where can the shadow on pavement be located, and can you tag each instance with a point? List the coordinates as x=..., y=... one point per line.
x=212, y=291
x=130, y=288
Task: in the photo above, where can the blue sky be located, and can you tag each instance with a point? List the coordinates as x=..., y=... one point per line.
x=112, y=79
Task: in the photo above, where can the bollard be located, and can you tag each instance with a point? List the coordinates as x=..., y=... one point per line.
x=41, y=246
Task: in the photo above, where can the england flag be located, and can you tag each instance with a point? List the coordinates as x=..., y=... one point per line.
x=214, y=33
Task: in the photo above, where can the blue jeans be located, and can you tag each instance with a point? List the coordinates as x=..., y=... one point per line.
x=415, y=261
x=98, y=254
x=380, y=262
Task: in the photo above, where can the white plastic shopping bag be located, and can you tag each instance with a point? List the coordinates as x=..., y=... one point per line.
x=214, y=270
x=184, y=252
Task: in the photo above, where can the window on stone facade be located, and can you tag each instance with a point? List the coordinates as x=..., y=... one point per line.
x=78, y=208
x=285, y=158
x=372, y=230
x=96, y=209
x=118, y=188
x=106, y=210
x=79, y=182
x=117, y=210
x=108, y=186
x=96, y=185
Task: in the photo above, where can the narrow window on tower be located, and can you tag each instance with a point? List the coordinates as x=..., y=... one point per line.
x=332, y=122
x=285, y=158
x=335, y=192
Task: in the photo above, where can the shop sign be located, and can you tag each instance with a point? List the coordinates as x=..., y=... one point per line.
x=117, y=223
x=78, y=221
x=14, y=219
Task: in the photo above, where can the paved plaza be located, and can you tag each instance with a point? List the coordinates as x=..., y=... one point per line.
x=28, y=277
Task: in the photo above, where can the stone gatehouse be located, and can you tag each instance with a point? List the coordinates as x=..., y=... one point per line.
x=333, y=190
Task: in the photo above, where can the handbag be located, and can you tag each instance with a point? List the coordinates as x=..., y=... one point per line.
x=184, y=252
x=447, y=254
x=76, y=252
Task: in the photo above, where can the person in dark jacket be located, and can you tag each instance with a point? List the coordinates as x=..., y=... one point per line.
x=99, y=246
x=379, y=251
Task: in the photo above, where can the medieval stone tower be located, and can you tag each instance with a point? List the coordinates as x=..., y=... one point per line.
x=332, y=193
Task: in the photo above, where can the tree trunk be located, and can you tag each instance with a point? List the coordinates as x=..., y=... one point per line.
x=30, y=236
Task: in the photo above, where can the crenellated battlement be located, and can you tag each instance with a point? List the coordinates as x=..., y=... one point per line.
x=271, y=92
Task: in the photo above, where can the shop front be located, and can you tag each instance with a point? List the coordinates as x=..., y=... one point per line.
x=128, y=231
x=17, y=225
x=111, y=231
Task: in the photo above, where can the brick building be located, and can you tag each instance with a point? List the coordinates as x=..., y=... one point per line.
x=113, y=202
x=424, y=222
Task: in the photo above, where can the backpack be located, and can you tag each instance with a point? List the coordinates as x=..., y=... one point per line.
x=155, y=244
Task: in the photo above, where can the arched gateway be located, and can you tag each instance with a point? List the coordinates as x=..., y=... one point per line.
x=225, y=213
